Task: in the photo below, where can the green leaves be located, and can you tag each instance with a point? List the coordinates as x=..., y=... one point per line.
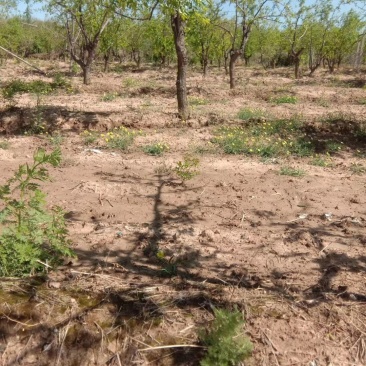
x=31, y=234
x=54, y=158
x=226, y=345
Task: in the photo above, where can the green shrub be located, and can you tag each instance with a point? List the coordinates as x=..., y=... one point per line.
x=31, y=236
x=120, y=138
x=38, y=87
x=226, y=345
x=155, y=149
x=286, y=99
x=187, y=169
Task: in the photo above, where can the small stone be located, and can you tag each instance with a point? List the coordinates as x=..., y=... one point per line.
x=54, y=284
x=208, y=234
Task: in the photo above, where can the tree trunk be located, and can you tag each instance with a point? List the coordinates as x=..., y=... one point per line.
x=226, y=57
x=313, y=68
x=296, y=58
x=297, y=68
x=205, y=67
x=178, y=26
x=331, y=65
x=234, y=55
x=162, y=60
x=106, y=60
x=137, y=58
x=86, y=74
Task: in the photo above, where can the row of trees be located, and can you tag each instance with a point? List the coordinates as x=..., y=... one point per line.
x=267, y=31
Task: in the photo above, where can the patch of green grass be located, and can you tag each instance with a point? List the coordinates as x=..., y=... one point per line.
x=362, y=101
x=4, y=145
x=158, y=148
x=197, y=101
x=56, y=139
x=247, y=114
x=265, y=139
x=38, y=87
x=120, y=138
x=89, y=137
x=109, y=97
x=303, y=147
x=357, y=168
x=292, y=172
x=129, y=82
x=321, y=161
x=285, y=99
x=226, y=344
x=333, y=146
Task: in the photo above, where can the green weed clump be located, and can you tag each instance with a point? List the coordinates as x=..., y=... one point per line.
x=357, y=168
x=187, y=169
x=4, y=145
x=156, y=149
x=120, y=138
x=247, y=114
x=321, y=161
x=109, y=97
x=285, y=99
x=265, y=139
x=89, y=137
x=38, y=87
x=31, y=236
x=226, y=345
x=197, y=101
x=292, y=172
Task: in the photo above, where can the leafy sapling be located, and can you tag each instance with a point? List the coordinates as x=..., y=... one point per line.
x=30, y=234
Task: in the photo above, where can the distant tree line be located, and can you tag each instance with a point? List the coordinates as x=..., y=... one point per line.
x=201, y=33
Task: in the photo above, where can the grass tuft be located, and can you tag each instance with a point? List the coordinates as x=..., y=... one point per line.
x=285, y=99
x=292, y=172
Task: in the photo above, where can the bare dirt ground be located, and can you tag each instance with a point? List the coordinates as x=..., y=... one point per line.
x=287, y=251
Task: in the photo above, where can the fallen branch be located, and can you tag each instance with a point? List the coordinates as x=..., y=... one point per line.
x=171, y=346
x=20, y=59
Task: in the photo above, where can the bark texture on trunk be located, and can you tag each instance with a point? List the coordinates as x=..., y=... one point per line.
x=234, y=55
x=86, y=75
x=296, y=59
x=178, y=27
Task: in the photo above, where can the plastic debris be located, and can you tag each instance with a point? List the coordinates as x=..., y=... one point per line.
x=328, y=216
x=95, y=151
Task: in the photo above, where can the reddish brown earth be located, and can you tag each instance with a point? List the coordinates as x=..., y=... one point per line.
x=287, y=251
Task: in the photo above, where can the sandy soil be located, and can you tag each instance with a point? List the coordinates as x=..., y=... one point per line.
x=287, y=251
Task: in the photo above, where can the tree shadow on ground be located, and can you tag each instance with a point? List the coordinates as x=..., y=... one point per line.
x=134, y=309
x=46, y=118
